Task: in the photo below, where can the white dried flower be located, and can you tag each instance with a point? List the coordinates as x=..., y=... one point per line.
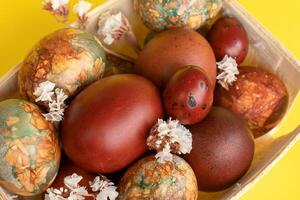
x=53, y=117
x=228, y=69
x=56, y=4
x=109, y=26
x=44, y=91
x=54, y=98
x=54, y=194
x=11, y=197
x=112, y=27
x=164, y=155
x=57, y=7
x=169, y=136
x=102, y=187
x=105, y=187
x=82, y=7
x=109, y=192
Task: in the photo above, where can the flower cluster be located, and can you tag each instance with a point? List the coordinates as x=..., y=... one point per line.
x=54, y=98
x=81, y=8
x=168, y=137
x=57, y=8
x=11, y=197
x=113, y=26
x=60, y=8
x=103, y=189
x=228, y=69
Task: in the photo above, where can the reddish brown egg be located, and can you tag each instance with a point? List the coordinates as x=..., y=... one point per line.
x=188, y=95
x=223, y=149
x=173, y=49
x=259, y=96
x=229, y=37
x=106, y=125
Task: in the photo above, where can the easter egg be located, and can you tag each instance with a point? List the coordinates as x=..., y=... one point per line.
x=260, y=97
x=223, y=149
x=69, y=58
x=106, y=126
x=229, y=37
x=171, y=50
x=159, y=15
x=29, y=148
x=149, y=179
x=188, y=96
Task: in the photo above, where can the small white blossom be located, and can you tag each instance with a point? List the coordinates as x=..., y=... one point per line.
x=164, y=155
x=228, y=70
x=11, y=197
x=60, y=95
x=82, y=7
x=105, y=187
x=72, y=181
x=57, y=4
x=44, y=91
x=55, y=99
x=112, y=27
x=54, y=194
x=109, y=192
x=168, y=137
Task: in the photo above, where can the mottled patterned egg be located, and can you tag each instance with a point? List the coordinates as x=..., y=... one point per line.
x=159, y=15
x=29, y=148
x=149, y=179
x=70, y=58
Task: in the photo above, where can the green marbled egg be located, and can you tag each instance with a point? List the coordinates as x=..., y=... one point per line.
x=148, y=179
x=70, y=58
x=29, y=148
x=159, y=15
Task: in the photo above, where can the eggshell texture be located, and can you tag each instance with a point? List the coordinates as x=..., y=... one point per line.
x=159, y=15
x=149, y=179
x=259, y=96
x=29, y=149
x=173, y=49
x=70, y=58
x=223, y=149
x=106, y=125
x=188, y=96
x=229, y=37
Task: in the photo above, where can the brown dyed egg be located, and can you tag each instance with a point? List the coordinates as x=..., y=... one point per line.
x=173, y=49
x=188, y=95
x=223, y=149
x=106, y=125
x=149, y=179
x=70, y=58
x=229, y=37
x=259, y=96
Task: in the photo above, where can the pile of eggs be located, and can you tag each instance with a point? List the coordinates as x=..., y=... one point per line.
x=107, y=120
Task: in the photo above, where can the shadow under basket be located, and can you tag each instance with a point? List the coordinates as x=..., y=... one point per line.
x=265, y=51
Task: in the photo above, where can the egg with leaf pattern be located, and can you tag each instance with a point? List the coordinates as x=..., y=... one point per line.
x=159, y=15
x=29, y=148
x=150, y=179
x=70, y=58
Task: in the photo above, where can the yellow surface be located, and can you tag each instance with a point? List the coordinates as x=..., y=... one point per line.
x=22, y=23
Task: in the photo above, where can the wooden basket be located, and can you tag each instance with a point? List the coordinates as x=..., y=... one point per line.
x=265, y=51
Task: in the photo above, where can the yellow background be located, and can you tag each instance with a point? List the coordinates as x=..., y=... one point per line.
x=23, y=23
